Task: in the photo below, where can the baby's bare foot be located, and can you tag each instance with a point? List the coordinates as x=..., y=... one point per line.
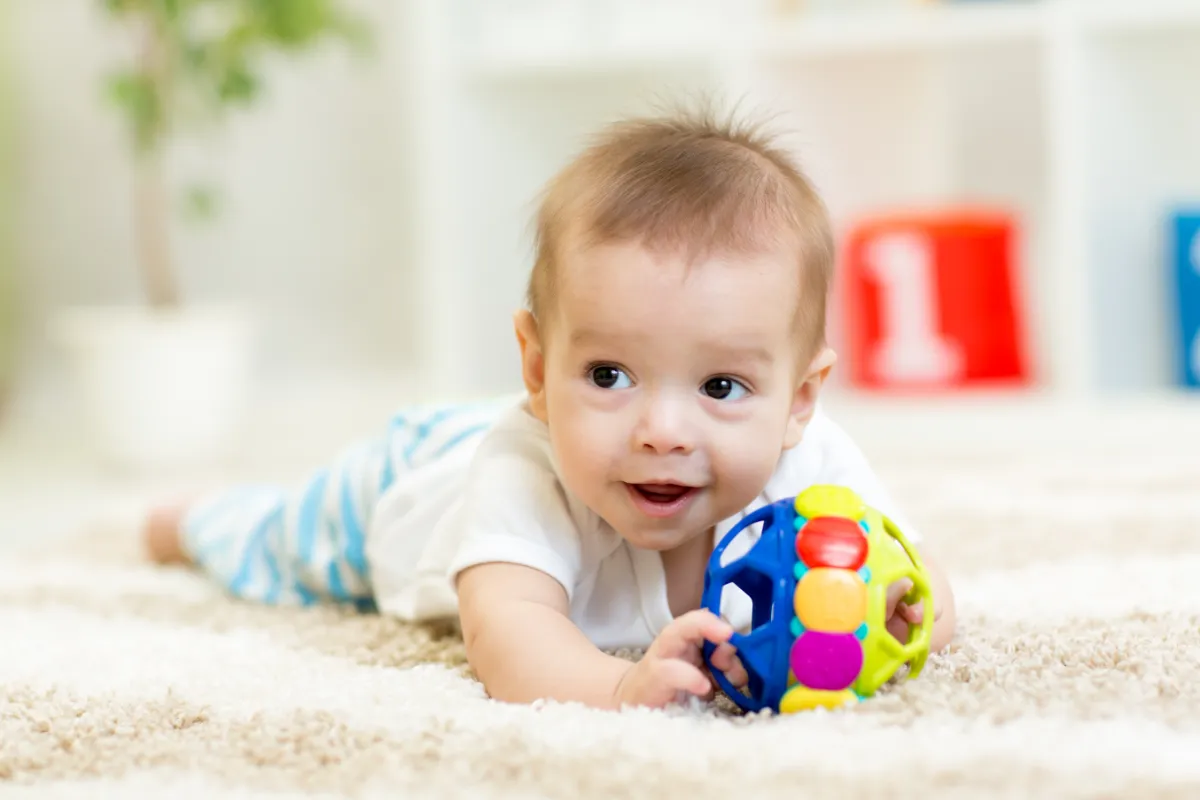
x=162, y=534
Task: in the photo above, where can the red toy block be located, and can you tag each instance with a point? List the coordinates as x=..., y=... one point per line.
x=929, y=301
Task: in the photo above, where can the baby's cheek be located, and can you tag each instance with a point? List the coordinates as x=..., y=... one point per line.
x=580, y=446
x=745, y=464
x=592, y=433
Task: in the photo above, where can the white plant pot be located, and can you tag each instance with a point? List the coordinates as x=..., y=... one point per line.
x=160, y=389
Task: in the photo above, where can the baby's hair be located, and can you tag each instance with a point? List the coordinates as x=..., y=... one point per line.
x=690, y=181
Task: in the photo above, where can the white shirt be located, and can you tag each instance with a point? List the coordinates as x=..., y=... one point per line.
x=501, y=499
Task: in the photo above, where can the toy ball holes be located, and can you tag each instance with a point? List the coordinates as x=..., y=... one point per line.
x=743, y=584
x=741, y=587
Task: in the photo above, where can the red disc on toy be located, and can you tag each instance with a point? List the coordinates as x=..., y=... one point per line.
x=831, y=542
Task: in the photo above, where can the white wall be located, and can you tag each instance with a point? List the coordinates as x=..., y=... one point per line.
x=373, y=227
x=315, y=230
x=875, y=131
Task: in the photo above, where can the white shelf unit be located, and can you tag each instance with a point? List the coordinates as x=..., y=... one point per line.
x=1071, y=113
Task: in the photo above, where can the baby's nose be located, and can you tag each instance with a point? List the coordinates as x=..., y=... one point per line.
x=664, y=428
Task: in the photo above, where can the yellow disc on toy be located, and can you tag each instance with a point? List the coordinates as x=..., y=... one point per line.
x=831, y=600
x=830, y=501
x=801, y=698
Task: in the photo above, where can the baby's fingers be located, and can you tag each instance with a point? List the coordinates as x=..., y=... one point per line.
x=692, y=630
x=895, y=594
x=673, y=676
x=724, y=659
x=913, y=614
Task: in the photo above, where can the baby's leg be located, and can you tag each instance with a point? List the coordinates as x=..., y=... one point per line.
x=281, y=545
x=278, y=545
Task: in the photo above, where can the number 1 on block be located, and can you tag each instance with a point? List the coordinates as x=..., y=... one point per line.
x=910, y=350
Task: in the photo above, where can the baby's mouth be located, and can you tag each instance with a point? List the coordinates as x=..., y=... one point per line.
x=661, y=498
x=661, y=492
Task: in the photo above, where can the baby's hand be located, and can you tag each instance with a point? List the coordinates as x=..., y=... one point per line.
x=900, y=614
x=673, y=667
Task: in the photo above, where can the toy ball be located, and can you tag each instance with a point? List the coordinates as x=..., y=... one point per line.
x=817, y=580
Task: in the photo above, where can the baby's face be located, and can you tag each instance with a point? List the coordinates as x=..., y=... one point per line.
x=669, y=388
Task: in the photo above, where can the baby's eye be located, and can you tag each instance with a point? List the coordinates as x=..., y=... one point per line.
x=724, y=388
x=607, y=376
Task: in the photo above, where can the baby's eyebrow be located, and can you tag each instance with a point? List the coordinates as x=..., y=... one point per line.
x=742, y=355
x=585, y=336
x=751, y=355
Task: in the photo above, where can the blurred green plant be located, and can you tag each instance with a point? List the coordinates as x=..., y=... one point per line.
x=196, y=61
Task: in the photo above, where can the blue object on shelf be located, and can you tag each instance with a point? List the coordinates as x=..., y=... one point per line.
x=1185, y=255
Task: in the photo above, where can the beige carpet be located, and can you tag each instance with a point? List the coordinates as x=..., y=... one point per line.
x=1074, y=544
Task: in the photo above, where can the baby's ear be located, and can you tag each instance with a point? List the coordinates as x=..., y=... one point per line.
x=533, y=361
x=804, y=401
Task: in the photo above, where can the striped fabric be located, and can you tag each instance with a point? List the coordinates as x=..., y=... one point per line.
x=299, y=545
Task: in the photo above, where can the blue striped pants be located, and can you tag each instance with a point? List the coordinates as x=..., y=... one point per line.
x=301, y=545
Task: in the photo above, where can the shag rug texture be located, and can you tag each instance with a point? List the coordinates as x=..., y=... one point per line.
x=1073, y=542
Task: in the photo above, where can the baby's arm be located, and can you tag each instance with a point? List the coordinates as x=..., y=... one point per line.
x=523, y=646
x=522, y=643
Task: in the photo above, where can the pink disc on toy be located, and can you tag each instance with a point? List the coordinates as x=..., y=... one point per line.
x=826, y=661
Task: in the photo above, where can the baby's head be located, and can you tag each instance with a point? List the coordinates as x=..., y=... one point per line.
x=674, y=342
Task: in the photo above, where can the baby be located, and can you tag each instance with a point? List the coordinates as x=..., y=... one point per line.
x=673, y=353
